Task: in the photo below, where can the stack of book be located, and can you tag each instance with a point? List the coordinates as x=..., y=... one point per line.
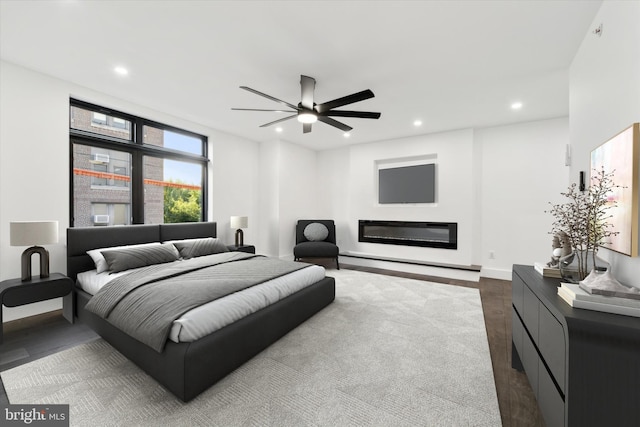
x=546, y=271
x=578, y=298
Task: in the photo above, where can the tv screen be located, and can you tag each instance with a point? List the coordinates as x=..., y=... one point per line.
x=407, y=184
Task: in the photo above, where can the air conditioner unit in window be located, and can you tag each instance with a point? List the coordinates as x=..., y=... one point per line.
x=99, y=158
x=101, y=219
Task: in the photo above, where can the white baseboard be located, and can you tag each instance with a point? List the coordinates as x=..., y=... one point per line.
x=450, y=273
x=496, y=273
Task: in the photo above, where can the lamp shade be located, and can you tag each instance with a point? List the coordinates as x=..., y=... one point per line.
x=29, y=233
x=239, y=222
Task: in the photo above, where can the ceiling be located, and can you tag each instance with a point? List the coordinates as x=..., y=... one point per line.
x=450, y=64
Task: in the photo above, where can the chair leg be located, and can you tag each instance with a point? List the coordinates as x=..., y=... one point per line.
x=337, y=263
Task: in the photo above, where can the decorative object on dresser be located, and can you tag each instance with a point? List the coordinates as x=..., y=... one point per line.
x=584, y=219
x=239, y=222
x=32, y=233
x=547, y=271
x=605, y=284
x=561, y=248
x=316, y=238
x=582, y=364
x=17, y=292
x=577, y=297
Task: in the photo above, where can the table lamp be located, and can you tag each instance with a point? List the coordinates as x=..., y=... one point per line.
x=239, y=222
x=32, y=233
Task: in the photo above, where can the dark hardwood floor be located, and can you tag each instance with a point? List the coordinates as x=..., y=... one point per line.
x=31, y=338
x=26, y=340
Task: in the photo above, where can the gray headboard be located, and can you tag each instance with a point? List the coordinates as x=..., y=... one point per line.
x=81, y=240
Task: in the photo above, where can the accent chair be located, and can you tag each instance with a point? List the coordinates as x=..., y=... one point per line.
x=316, y=238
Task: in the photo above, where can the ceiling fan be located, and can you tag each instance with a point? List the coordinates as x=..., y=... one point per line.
x=309, y=112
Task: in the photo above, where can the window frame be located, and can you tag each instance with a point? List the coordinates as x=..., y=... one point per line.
x=135, y=147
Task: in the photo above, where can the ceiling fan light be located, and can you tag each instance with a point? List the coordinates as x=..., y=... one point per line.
x=307, y=118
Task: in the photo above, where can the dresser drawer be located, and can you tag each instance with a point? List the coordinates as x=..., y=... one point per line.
x=552, y=345
x=530, y=362
x=517, y=331
x=530, y=313
x=549, y=399
x=517, y=289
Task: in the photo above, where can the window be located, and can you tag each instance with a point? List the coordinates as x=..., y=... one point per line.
x=172, y=190
x=100, y=179
x=99, y=119
x=99, y=122
x=129, y=170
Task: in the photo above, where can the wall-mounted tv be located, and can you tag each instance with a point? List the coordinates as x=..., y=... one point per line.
x=621, y=155
x=407, y=184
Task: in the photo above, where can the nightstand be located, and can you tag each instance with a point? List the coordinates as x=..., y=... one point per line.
x=15, y=292
x=250, y=249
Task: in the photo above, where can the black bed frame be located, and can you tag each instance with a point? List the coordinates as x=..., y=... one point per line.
x=187, y=369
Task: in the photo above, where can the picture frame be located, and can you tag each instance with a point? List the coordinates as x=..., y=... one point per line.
x=621, y=155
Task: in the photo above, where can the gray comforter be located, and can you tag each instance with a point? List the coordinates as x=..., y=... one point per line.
x=144, y=303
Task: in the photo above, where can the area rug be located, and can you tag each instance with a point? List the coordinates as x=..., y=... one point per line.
x=388, y=352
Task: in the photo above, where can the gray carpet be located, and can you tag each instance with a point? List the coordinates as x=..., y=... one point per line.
x=388, y=352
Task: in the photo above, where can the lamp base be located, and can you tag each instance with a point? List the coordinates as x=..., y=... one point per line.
x=239, y=237
x=26, y=262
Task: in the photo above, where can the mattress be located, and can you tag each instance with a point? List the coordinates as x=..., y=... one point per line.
x=212, y=316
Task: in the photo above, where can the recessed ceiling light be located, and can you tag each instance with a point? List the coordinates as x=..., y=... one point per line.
x=516, y=105
x=417, y=123
x=278, y=129
x=346, y=134
x=121, y=71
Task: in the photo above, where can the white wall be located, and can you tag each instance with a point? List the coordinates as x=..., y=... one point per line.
x=522, y=170
x=605, y=97
x=34, y=166
x=334, y=191
x=287, y=193
x=495, y=182
x=452, y=153
x=297, y=192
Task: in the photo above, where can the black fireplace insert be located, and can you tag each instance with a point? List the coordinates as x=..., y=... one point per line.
x=409, y=233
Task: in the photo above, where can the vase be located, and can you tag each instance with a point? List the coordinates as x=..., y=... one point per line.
x=578, y=264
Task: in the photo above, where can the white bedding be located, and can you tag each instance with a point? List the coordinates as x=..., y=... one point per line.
x=210, y=317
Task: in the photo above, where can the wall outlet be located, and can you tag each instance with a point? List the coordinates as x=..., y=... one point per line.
x=492, y=255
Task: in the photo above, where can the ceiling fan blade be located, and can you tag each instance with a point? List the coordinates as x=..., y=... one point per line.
x=269, y=97
x=258, y=109
x=307, y=86
x=306, y=127
x=349, y=99
x=335, y=123
x=358, y=114
x=278, y=121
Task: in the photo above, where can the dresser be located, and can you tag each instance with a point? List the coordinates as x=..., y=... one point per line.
x=583, y=365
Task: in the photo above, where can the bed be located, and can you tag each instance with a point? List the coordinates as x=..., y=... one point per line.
x=188, y=368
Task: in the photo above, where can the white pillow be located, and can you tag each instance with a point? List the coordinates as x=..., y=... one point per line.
x=101, y=263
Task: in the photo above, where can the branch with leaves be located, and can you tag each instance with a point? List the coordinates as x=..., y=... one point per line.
x=585, y=217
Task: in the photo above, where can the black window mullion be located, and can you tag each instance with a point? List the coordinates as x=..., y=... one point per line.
x=137, y=189
x=138, y=135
